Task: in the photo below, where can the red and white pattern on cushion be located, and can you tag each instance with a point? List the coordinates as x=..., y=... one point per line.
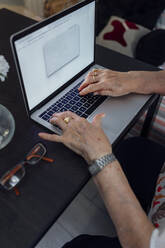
x=121, y=35
x=157, y=211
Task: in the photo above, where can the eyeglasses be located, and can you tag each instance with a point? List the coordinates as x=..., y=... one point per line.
x=12, y=177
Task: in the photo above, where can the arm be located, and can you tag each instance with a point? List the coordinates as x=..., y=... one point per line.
x=89, y=140
x=113, y=83
x=132, y=225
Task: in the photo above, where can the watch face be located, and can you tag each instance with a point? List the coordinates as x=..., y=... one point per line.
x=94, y=170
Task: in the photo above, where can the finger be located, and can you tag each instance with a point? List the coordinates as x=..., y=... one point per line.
x=91, y=88
x=98, y=119
x=92, y=77
x=84, y=84
x=86, y=81
x=59, y=122
x=89, y=80
x=65, y=114
x=51, y=137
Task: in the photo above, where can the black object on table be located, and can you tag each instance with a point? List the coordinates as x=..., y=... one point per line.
x=46, y=189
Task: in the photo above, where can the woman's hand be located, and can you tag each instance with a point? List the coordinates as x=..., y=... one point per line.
x=114, y=83
x=84, y=138
x=106, y=82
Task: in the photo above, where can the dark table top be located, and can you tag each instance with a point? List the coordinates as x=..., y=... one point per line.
x=46, y=189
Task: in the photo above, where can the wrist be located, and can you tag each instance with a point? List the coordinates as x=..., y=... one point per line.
x=143, y=82
x=135, y=83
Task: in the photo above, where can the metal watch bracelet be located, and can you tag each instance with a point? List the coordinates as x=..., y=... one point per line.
x=100, y=163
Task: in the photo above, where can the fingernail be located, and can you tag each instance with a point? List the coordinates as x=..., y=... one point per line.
x=53, y=119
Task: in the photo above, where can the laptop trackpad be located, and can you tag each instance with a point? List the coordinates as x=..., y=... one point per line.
x=119, y=111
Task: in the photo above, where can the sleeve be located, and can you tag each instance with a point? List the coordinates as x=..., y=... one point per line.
x=157, y=239
x=157, y=213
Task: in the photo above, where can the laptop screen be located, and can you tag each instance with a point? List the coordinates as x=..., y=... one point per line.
x=52, y=55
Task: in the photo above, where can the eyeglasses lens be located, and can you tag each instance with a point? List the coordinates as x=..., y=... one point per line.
x=12, y=177
x=36, y=154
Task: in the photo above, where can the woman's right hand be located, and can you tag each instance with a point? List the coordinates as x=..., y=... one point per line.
x=85, y=138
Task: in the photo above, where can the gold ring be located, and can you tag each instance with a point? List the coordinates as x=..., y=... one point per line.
x=66, y=120
x=95, y=72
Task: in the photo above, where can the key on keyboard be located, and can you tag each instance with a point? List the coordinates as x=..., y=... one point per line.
x=81, y=105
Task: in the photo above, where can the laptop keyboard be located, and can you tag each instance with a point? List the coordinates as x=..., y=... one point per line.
x=72, y=101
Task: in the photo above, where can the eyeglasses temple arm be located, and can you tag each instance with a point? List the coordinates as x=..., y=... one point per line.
x=43, y=158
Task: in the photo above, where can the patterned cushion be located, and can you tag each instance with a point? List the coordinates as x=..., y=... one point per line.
x=121, y=35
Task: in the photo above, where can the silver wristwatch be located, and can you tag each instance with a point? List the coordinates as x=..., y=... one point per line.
x=100, y=163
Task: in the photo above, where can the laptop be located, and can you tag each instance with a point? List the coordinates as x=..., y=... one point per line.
x=52, y=59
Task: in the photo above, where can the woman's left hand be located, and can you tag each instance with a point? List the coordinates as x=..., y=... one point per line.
x=109, y=83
